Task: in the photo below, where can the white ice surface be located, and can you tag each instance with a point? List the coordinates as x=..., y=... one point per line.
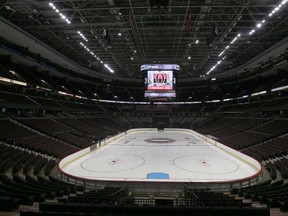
x=187, y=159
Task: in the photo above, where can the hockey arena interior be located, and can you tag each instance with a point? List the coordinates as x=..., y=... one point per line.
x=143, y=107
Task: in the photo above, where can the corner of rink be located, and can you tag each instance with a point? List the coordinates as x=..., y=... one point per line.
x=109, y=166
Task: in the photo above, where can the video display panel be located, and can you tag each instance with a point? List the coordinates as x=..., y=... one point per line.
x=159, y=80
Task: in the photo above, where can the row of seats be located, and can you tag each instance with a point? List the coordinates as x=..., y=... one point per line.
x=100, y=196
x=25, y=177
x=242, y=133
x=82, y=126
x=17, y=135
x=272, y=148
x=80, y=132
x=274, y=195
x=207, y=198
x=53, y=128
x=281, y=165
x=244, y=139
x=48, y=126
x=59, y=209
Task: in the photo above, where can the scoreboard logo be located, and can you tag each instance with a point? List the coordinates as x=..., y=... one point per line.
x=160, y=78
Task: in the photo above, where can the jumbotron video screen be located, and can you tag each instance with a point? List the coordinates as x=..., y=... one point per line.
x=160, y=81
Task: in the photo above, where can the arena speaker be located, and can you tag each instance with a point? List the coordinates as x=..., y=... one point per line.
x=107, y=38
x=192, y=67
x=214, y=33
x=215, y=30
x=210, y=39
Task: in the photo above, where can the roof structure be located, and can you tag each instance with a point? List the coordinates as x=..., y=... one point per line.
x=115, y=37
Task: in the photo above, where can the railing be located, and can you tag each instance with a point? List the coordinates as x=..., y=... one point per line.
x=191, y=199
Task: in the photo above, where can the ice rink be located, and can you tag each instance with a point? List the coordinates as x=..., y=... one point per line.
x=166, y=156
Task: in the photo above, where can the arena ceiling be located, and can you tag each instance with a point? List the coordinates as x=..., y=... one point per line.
x=202, y=36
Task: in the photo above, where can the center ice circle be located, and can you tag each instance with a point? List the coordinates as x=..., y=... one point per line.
x=204, y=164
x=160, y=140
x=112, y=163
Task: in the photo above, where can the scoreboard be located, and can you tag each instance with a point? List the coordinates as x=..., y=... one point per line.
x=160, y=80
